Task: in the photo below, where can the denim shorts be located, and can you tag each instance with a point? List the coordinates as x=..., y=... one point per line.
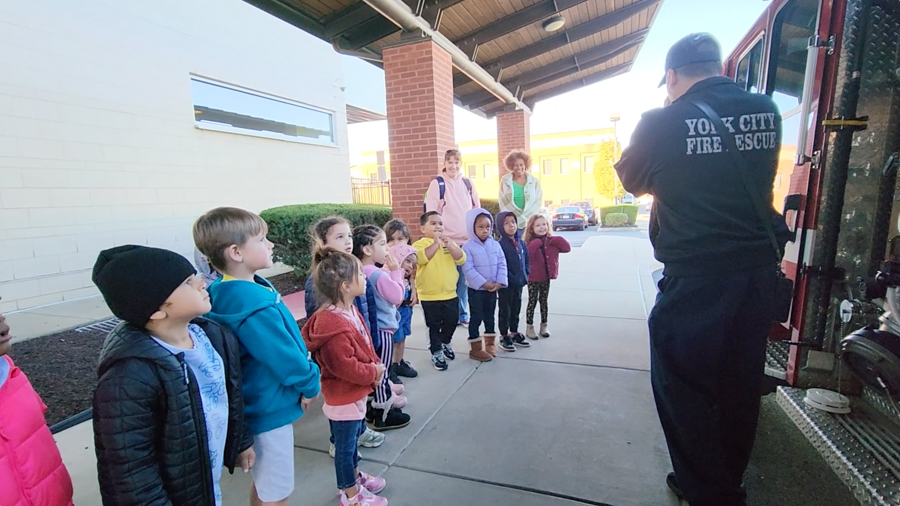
x=405, y=328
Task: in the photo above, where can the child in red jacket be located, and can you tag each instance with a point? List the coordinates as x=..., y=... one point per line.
x=31, y=469
x=339, y=340
x=543, y=259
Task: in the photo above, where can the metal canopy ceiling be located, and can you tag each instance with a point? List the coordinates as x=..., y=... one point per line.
x=600, y=39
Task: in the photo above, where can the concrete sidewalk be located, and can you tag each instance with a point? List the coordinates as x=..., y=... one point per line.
x=569, y=421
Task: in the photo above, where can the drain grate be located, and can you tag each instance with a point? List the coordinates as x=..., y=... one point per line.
x=101, y=326
x=864, y=450
x=777, y=359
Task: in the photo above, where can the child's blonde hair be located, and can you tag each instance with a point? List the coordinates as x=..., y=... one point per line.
x=332, y=268
x=529, y=228
x=223, y=227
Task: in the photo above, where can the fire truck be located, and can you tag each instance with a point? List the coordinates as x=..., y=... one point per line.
x=833, y=68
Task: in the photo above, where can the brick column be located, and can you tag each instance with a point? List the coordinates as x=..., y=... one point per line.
x=513, y=132
x=419, y=84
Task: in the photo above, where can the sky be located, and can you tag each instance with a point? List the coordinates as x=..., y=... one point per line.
x=586, y=108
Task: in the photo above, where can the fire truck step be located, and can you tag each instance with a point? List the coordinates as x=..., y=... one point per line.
x=777, y=359
x=862, y=447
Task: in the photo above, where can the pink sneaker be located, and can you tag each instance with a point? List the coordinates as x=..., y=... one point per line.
x=371, y=483
x=399, y=401
x=363, y=498
x=397, y=389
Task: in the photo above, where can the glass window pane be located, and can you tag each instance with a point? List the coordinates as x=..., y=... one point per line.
x=484, y=170
x=748, y=71
x=230, y=109
x=589, y=164
x=472, y=173
x=794, y=25
x=548, y=167
x=564, y=166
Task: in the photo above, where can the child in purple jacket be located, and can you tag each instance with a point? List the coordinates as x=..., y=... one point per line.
x=485, y=272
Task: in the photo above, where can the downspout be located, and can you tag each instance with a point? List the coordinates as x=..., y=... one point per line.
x=400, y=14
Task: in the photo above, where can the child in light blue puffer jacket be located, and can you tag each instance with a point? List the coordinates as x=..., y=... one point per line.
x=485, y=272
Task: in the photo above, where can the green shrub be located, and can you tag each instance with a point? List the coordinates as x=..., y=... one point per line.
x=627, y=209
x=615, y=220
x=290, y=226
x=491, y=205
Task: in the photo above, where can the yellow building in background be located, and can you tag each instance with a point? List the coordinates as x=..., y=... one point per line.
x=564, y=162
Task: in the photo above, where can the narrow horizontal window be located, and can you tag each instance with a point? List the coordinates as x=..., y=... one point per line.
x=230, y=109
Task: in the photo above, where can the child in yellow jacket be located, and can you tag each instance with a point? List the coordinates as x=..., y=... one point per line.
x=436, y=278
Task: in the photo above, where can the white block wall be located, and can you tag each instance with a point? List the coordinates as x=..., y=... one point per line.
x=97, y=140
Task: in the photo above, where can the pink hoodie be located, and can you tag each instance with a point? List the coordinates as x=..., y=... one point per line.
x=457, y=202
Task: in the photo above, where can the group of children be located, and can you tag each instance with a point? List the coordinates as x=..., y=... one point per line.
x=199, y=378
x=495, y=271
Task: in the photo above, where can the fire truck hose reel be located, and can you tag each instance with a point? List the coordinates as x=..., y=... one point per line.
x=873, y=356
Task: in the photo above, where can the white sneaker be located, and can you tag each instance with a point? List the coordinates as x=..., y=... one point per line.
x=331, y=450
x=370, y=438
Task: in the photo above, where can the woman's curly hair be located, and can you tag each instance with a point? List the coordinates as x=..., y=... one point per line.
x=510, y=161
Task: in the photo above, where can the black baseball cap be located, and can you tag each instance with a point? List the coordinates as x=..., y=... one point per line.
x=694, y=48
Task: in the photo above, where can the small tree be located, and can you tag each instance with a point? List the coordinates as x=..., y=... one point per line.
x=605, y=177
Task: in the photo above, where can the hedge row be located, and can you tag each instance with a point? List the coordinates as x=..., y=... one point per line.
x=630, y=210
x=290, y=228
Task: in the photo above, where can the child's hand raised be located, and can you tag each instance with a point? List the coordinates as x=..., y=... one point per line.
x=391, y=263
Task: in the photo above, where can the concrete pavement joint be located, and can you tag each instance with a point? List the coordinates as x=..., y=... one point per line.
x=643, y=296
x=560, y=362
x=520, y=488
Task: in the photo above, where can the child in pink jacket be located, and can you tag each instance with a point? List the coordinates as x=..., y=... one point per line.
x=543, y=258
x=31, y=469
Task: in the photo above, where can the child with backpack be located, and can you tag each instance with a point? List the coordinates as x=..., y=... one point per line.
x=452, y=196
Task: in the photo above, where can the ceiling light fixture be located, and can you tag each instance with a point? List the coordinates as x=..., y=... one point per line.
x=553, y=24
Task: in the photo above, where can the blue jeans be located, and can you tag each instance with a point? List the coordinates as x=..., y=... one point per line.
x=346, y=455
x=462, y=293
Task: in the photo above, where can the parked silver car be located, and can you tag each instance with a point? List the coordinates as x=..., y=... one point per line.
x=569, y=217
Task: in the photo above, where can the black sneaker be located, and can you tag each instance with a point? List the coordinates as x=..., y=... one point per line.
x=506, y=344
x=520, y=341
x=448, y=351
x=405, y=370
x=437, y=360
x=393, y=377
x=395, y=419
x=370, y=411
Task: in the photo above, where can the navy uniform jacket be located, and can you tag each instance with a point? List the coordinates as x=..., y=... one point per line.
x=705, y=221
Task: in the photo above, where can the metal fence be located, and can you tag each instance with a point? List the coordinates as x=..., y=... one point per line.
x=367, y=191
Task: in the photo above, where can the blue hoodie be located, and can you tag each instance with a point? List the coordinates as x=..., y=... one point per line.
x=274, y=360
x=516, y=253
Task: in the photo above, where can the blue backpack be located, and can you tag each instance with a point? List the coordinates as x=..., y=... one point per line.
x=442, y=187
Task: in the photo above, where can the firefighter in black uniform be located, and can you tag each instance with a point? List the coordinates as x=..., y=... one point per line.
x=708, y=329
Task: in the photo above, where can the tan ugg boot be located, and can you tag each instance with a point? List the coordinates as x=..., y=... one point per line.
x=490, y=344
x=545, y=332
x=529, y=332
x=477, y=352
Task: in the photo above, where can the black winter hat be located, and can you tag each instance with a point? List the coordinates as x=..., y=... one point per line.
x=136, y=280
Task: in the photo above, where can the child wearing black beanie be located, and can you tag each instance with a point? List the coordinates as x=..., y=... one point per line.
x=168, y=409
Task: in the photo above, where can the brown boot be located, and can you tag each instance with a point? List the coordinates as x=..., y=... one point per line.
x=477, y=352
x=490, y=344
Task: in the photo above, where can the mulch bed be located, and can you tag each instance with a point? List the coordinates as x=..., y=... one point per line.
x=287, y=283
x=62, y=367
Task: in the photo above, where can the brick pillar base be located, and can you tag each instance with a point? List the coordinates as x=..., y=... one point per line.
x=513, y=132
x=419, y=84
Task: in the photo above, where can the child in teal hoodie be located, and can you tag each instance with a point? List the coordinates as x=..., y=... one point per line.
x=279, y=379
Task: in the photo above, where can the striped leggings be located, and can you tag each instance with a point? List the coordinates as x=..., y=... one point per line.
x=537, y=290
x=383, y=390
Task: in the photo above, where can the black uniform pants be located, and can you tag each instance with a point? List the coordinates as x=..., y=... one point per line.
x=441, y=317
x=510, y=308
x=707, y=353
